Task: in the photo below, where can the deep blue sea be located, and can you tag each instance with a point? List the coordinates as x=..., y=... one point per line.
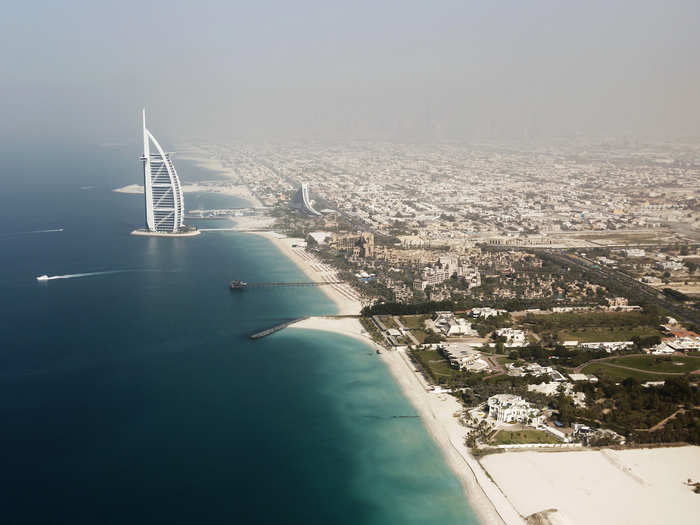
x=137, y=397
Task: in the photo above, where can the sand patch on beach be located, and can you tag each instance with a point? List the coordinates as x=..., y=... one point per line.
x=606, y=487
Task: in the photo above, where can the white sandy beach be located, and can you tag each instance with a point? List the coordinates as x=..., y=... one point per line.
x=437, y=412
x=346, y=299
x=606, y=487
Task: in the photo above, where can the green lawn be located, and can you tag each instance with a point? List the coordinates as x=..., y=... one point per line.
x=516, y=437
x=618, y=374
x=435, y=364
x=420, y=335
x=666, y=364
x=591, y=334
x=414, y=322
x=388, y=321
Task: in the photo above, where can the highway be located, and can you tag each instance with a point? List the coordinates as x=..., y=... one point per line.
x=679, y=311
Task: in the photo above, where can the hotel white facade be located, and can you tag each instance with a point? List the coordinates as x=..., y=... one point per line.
x=509, y=408
x=165, y=211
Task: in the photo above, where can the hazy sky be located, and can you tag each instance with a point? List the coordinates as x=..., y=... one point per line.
x=350, y=70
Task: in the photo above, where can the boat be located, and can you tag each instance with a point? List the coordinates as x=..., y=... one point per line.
x=42, y=278
x=238, y=285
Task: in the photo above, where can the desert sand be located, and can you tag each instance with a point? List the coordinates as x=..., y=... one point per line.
x=201, y=159
x=234, y=190
x=605, y=487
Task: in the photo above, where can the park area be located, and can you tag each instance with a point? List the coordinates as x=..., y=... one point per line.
x=595, y=327
x=643, y=367
x=435, y=365
x=599, y=334
x=521, y=437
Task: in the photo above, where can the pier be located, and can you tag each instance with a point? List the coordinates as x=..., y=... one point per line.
x=276, y=328
x=310, y=283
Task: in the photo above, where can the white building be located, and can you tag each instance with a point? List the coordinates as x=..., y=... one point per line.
x=165, y=209
x=453, y=326
x=608, y=346
x=671, y=266
x=534, y=370
x=465, y=357
x=485, y=313
x=509, y=408
x=684, y=344
x=662, y=349
x=583, y=377
x=431, y=277
x=513, y=336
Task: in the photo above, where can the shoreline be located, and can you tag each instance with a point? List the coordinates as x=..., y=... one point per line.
x=559, y=487
x=216, y=166
x=242, y=192
x=483, y=496
x=411, y=387
x=345, y=298
x=436, y=412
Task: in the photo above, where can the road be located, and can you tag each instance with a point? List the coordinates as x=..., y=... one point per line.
x=677, y=310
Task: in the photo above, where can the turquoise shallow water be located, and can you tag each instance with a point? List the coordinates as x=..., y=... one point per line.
x=137, y=396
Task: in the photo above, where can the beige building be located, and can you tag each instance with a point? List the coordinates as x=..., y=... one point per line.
x=359, y=244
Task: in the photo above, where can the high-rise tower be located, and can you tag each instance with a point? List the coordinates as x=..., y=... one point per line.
x=165, y=211
x=301, y=200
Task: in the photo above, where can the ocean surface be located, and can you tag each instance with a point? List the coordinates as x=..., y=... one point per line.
x=133, y=395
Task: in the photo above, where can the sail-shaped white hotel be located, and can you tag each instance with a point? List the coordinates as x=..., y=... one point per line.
x=165, y=210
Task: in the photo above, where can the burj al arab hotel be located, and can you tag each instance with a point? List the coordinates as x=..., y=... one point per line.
x=165, y=210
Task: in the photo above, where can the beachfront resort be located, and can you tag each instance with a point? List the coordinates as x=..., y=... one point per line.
x=558, y=368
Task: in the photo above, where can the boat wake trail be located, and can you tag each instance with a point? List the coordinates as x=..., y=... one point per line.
x=31, y=232
x=76, y=275
x=88, y=274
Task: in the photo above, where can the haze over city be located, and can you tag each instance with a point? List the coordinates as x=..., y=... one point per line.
x=400, y=71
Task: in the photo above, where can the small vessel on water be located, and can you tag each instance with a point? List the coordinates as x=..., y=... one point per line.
x=43, y=278
x=238, y=285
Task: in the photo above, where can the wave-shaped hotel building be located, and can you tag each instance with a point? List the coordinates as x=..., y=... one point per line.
x=165, y=208
x=301, y=200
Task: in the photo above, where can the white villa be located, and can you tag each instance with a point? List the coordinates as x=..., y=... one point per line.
x=509, y=408
x=450, y=325
x=513, y=336
x=608, y=346
x=486, y=312
x=465, y=357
